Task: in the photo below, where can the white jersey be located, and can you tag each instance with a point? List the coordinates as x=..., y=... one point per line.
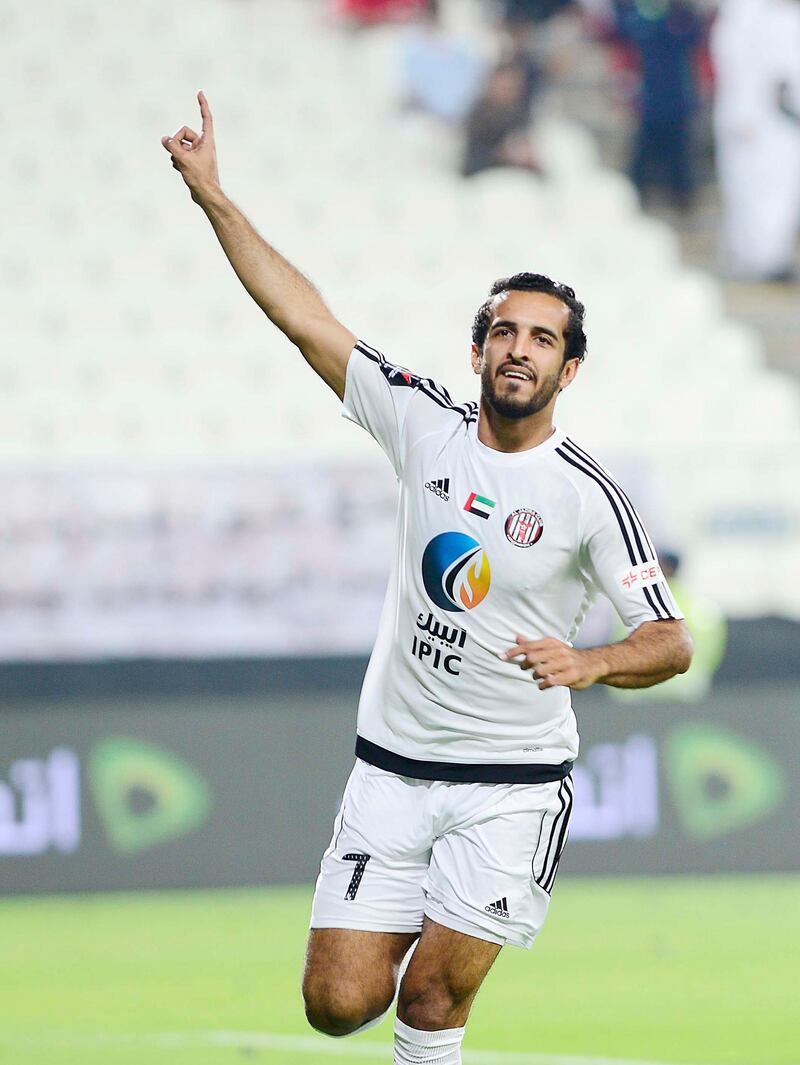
x=488, y=544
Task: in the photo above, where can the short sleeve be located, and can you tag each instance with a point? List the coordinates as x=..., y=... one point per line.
x=619, y=558
x=377, y=396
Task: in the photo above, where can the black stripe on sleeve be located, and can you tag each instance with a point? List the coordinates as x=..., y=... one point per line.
x=612, y=484
x=637, y=523
x=649, y=597
x=631, y=509
x=370, y=353
x=608, y=496
x=428, y=387
x=664, y=597
x=586, y=464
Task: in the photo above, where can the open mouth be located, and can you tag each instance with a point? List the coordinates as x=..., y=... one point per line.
x=516, y=374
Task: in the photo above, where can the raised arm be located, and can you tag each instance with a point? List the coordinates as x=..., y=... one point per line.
x=287, y=298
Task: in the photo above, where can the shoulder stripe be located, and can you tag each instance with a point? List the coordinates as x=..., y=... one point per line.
x=636, y=526
x=434, y=391
x=371, y=353
x=609, y=497
x=436, y=387
x=606, y=483
x=661, y=590
x=618, y=488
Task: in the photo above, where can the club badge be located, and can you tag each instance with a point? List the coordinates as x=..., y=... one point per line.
x=524, y=528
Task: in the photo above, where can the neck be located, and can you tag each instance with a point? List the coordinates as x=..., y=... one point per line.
x=514, y=434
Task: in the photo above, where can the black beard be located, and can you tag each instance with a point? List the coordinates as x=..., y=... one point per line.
x=512, y=407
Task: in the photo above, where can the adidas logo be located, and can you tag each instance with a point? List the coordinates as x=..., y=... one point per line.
x=499, y=908
x=439, y=488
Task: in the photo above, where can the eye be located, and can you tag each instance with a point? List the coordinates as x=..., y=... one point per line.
x=545, y=339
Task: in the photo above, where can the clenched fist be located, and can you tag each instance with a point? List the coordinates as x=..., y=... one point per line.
x=194, y=155
x=555, y=663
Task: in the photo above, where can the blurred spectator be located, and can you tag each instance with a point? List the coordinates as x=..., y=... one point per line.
x=441, y=74
x=532, y=11
x=519, y=49
x=665, y=35
x=498, y=127
x=372, y=12
x=756, y=54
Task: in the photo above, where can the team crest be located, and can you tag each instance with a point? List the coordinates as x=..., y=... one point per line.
x=524, y=528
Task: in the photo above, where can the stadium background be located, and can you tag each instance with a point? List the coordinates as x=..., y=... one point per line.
x=195, y=550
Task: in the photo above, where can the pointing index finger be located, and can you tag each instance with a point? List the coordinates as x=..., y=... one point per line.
x=205, y=111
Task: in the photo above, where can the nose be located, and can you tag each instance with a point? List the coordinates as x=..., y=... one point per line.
x=519, y=349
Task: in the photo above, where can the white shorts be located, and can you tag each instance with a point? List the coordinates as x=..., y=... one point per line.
x=478, y=858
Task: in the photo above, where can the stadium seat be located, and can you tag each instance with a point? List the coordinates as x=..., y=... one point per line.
x=126, y=336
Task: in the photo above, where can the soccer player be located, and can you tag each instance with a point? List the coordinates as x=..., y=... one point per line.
x=456, y=813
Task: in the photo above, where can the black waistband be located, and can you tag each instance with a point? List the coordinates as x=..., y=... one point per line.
x=460, y=772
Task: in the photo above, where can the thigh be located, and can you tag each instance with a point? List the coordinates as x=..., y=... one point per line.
x=373, y=873
x=354, y=965
x=492, y=872
x=443, y=977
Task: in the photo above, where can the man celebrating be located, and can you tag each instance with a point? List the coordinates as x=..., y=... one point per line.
x=457, y=811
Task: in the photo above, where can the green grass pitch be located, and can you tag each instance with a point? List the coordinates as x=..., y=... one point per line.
x=695, y=971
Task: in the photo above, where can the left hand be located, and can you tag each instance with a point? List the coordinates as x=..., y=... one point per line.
x=555, y=663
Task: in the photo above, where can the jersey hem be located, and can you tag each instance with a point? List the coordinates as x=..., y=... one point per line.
x=460, y=772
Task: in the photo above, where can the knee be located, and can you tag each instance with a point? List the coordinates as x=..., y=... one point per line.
x=431, y=1005
x=335, y=1010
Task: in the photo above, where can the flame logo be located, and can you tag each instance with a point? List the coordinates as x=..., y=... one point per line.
x=456, y=571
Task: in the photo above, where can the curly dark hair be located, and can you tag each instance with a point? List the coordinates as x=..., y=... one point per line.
x=526, y=282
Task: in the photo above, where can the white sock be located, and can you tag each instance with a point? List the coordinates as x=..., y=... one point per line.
x=426, y=1048
x=400, y=974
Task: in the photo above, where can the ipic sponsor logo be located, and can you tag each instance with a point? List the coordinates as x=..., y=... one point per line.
x=456, y=571
x=432, y=633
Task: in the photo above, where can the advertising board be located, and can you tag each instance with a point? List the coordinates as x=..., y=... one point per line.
x=194, y=791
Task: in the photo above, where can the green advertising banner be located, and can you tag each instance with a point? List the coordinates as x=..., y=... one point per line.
x=155, y=792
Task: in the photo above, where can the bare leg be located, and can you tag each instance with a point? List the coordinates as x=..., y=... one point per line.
x=350, y=976
x=443, y=978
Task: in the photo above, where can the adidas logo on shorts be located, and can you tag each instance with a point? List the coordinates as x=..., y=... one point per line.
x=499, y=908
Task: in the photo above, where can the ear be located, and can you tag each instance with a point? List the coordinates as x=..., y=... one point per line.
x=476, y=358
x=569, y=372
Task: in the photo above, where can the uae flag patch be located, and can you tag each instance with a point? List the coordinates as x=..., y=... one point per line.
x=479, y=505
